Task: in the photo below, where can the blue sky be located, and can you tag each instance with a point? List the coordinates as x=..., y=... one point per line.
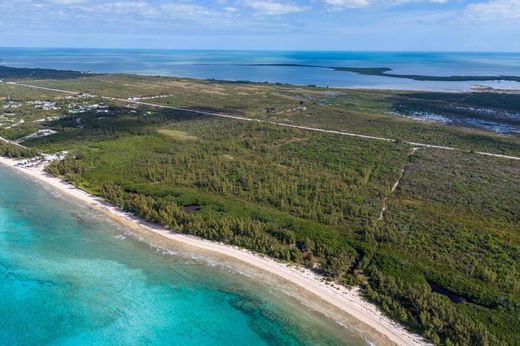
x=453, y=25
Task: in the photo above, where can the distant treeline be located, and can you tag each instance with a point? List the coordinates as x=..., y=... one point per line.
x=38, y=73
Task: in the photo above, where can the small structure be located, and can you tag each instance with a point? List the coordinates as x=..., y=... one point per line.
x=191, y=208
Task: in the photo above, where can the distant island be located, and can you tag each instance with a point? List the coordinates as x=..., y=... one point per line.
x=384, y=72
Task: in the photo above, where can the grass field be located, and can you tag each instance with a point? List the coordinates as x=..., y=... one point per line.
x=176, y=134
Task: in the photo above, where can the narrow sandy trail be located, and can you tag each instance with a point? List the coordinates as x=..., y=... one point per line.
x=13, y=143
x=227, y=116
x=394, y=187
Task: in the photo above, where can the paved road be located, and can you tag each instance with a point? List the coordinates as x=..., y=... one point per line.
x=227, y=116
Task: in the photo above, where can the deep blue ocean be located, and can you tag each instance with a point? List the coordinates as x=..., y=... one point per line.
x=69, y=276
x=233, y=65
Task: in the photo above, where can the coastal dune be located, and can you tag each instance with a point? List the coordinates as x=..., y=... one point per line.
x=348, y=301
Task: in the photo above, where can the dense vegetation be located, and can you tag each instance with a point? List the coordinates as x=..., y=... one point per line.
x=255, y=186
x=14, y=151
x=455, y=219
x=315, y=198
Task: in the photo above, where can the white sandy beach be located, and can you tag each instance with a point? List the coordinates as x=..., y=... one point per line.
x=347, y=300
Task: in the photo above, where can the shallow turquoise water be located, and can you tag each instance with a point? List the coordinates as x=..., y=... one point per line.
x=70, y=277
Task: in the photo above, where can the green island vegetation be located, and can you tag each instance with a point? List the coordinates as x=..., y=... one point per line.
x=384, y=72
x=444, y=256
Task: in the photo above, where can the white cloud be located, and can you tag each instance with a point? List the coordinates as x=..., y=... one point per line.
x=273, y=8
x=375, y=3
x=349, y=3
x=494, y=10
x=75, y=7
x=231, y=9
x=67, y=2
x=187, y=10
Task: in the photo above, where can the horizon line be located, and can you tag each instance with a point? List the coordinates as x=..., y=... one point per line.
x=263, y=50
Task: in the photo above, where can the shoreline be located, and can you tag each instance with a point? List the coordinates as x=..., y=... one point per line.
x=349, y=301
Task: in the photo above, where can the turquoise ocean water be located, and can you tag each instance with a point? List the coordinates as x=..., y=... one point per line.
x=69, y=276
x=233, y=65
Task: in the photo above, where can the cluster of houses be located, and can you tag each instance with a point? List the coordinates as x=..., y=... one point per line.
x=76, y=104
x=12, y=105
x=11, y=125
x=143, y=98
x=42, y=160
x=45, y=105
x=75, y=108
x=50, y=118
x=38, y=134
x=80, y=96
